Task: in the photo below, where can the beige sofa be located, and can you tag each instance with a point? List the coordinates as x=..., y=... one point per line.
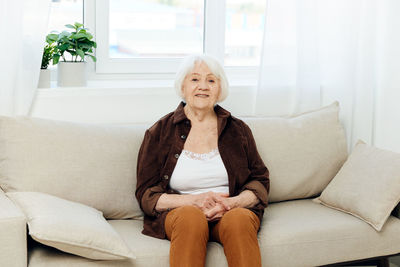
x=94, y=165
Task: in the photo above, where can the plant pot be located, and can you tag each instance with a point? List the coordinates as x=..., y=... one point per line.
x=71, y=74
x=44, y=78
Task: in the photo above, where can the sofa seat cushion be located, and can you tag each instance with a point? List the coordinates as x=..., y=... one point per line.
x=149, y=251
x=310, y=233
x=314, y=235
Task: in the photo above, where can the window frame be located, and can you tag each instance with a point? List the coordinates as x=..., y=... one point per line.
x=96, y=18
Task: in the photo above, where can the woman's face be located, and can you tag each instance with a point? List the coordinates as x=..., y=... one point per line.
x=201, y=89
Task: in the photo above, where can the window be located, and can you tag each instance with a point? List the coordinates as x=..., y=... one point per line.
x=155, y=29
x=244, y=27
x=151, y=36
x=63, y=12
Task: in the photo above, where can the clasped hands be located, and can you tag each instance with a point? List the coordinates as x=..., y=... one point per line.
x=214, y=205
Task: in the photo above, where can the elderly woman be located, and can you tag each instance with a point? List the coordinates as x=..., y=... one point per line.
x=199, y=175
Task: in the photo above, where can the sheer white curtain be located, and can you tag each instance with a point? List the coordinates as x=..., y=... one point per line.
x=318, y=51
x=289, y=72
x=23, y=25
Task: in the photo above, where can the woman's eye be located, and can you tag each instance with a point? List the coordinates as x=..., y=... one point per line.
x=194, y=80
x=211, y=81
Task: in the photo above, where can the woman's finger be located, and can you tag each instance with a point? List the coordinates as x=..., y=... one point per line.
x=224, y=203
x=216, y=216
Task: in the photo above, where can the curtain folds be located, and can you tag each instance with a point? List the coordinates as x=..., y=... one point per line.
x=23, y=25
x=289, y=72
x=319, y=51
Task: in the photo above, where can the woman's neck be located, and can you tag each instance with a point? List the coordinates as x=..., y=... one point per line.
x=199, y=115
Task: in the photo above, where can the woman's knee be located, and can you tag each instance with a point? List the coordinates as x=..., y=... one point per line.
x=240, y=220
x=189, y=219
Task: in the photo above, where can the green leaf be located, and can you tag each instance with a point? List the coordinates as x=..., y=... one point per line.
x=80, y=53
x=63, y=47
x=52, y=37
x=70, y=42
x=63, y=34
x=70, y=26
x=78, y=25
x=56, y=58
x=85, y=46
x=93, y=58
x=79, y=35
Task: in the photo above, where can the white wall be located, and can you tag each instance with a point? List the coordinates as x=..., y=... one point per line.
x=124, y=104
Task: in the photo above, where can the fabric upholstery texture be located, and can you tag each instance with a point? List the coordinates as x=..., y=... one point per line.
x=367, y=186
x=303, y=153
x=13, y=250
x=91, y=164
x=310, y=233
x=70, y=227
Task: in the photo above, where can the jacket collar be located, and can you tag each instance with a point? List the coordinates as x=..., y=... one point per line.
x=222, y=114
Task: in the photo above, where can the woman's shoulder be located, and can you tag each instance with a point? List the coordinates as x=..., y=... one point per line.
x=236, y=122
x=161, y=124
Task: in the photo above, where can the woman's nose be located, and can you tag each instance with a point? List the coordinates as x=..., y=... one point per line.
x=204, y=85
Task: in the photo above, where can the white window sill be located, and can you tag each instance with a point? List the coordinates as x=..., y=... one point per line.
x=111, y=87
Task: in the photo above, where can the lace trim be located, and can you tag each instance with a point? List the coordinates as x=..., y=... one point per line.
x=201, y=156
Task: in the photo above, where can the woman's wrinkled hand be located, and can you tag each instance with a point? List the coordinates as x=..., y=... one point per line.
x=215, y=213
x=207, y=201
x=222, y=206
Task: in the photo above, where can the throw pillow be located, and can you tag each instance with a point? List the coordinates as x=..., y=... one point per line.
x=367, y=186
x=71, y=227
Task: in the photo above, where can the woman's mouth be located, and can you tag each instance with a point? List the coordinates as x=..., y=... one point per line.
x=202, y=95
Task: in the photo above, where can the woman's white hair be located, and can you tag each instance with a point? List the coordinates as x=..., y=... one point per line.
x=212, y=63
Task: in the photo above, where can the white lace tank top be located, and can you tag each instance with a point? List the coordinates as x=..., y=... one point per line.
x=196, y=173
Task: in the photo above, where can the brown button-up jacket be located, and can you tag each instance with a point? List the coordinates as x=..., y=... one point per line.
x=160, y=150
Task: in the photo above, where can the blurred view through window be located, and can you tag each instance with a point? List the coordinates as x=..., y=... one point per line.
x=64, y=12
x=244, y=30
x=174, y=28
x=155, y=28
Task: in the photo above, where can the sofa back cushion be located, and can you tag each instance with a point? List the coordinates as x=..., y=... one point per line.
x=303, y=153
x=90, y=164
x=96, y=164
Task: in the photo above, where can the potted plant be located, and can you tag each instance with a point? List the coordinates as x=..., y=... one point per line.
x=48, y=52
x=78, y=44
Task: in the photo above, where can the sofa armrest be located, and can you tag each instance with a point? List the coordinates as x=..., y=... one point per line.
x=13, y=249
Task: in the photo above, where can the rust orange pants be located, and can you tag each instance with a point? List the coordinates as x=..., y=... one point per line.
x=189, y=231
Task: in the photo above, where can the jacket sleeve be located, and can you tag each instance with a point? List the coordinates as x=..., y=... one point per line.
x=258, y=181
x=148, y=187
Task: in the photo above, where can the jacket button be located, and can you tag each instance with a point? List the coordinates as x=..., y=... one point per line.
x=166, y=177
x=183, y=136
x=176, y=155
